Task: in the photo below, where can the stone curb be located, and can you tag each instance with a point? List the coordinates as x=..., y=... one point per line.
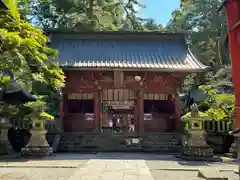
x=6, y=166
x=191, y=169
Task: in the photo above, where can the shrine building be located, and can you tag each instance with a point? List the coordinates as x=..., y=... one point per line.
x=130, y=74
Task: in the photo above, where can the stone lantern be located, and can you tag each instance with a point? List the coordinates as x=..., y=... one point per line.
x=38, y=145
x=194, y=144
x=10, y=94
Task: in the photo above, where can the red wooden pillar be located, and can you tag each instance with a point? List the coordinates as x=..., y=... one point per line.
x=59, y=124
x=233, y=20
x=65, y=114
x=96, y=100
x=141, y=110
x=135, y=113
x=177, y=110
x=170, y=102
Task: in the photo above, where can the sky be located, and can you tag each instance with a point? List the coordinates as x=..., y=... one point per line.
x=159, y=10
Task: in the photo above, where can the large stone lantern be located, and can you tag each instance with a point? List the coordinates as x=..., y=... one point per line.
x=38, y=145
x=10, y=94
x=193, y=137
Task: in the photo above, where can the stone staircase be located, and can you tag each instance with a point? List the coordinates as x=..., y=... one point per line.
x=120, y=142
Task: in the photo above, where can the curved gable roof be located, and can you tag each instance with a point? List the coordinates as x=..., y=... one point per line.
x=128, y=50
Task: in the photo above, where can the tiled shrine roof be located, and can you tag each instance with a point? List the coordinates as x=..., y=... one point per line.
x=127, y=50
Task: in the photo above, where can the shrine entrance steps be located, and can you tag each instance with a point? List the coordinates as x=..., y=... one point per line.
x=119, y=142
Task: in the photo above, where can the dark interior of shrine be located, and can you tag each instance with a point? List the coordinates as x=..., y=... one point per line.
x=150, y=106
x=80, y=106
x=158, y=106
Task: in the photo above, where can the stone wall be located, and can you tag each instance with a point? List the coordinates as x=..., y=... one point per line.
x=220, y=142
x=97, y=142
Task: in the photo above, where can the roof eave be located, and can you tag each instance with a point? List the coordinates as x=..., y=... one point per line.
x=129, y=35
x=188, y=70
x=3, y=5
x=67, y=31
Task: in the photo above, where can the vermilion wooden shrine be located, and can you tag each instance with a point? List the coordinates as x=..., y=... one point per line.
x=233, y=20
x=130, y=74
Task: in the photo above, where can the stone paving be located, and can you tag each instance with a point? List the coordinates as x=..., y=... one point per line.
x=109, y=166
x=54, y=161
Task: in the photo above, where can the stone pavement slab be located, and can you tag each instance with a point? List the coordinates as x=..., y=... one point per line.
x=110, y=166
x=211, y=174
x=36, y=173
x=113, y=168
x=186, y=175
x=168, y=162
x=55, y=161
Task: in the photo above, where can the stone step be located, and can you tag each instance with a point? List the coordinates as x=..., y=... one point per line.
x=101, y=142
x=160, y=150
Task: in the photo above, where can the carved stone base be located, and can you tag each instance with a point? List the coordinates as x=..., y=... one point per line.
x=198, y=154
x=232, y=150
x=5, y=148
x=37, y=151
x=37, y=145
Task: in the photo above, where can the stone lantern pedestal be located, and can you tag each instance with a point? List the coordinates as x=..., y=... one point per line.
x=194, y=146
x=5, y=146
x=37, y=145
x=236, y=134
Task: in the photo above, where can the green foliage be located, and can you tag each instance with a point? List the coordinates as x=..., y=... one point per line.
x=200, y=114
x=223, y=78
x=204, y=26
x=25, y=54
x=206, y=31
x=83, y=15
x=38, y=105
x=38, y=110
x=46, y=116
x=24, y=46
x=91, y=15
x=221, y=106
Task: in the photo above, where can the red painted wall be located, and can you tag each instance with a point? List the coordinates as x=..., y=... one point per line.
x=76, y=82
x=233, y=17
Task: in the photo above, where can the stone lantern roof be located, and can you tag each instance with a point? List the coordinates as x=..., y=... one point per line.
x=13, y=93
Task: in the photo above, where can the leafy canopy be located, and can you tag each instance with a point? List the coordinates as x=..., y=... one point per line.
x=25, y=54
x=219, y=106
